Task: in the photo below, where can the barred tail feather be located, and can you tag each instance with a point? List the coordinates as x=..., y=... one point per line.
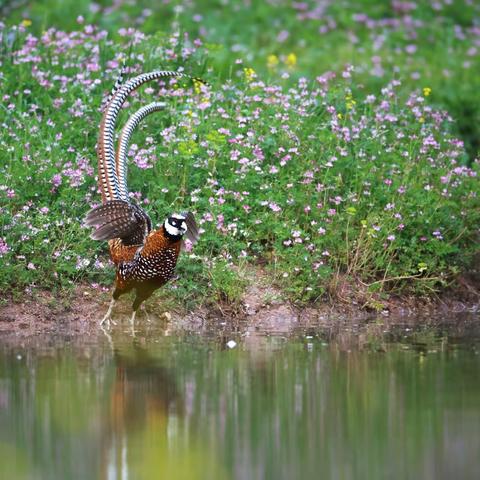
x=108, y=179
x=104, y=181
x=116, y=87
x=124, y=142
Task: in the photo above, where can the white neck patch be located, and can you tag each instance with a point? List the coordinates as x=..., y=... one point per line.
x=174, y=231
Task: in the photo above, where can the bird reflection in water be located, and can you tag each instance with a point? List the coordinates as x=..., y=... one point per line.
x=147, y=436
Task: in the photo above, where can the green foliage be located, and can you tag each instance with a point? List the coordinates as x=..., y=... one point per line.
x=225, y=283
x=313, y=158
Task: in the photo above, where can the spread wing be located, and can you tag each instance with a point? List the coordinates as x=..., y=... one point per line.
x=119, y=219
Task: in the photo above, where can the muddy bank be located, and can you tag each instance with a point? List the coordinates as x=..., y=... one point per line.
x=262, y=309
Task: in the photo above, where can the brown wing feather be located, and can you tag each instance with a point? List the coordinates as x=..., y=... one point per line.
x=119, y=219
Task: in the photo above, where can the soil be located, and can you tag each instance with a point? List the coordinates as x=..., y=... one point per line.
x=263, y=310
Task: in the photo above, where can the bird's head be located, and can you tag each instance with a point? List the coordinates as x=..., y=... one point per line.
x=179, y=224
x=175, y=225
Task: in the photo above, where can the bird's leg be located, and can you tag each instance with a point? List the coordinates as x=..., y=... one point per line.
x=147, y=316
x=132, y=322
x=107, y=317
x=141, y=296
x=136, y=304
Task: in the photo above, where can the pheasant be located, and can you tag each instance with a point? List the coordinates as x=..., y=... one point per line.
x=145, y=258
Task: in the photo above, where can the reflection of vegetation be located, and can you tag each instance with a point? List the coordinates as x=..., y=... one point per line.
x=155, y=453
x=55, y=400
x=349, y=413
x=13, y=463
x=276, y=409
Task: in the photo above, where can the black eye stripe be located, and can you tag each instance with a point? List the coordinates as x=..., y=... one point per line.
x=175, y=222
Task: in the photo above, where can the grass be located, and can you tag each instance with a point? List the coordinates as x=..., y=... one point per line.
x=334, y=144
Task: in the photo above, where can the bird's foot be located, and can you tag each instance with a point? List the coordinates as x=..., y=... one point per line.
x=147, y=316
x=106, y=321
x=108, y=316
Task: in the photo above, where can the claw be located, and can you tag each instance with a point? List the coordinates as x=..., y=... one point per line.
x=108, y=316
x=147, y=316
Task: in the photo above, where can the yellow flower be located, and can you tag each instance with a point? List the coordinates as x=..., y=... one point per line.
x=197, y=86
x=421, y=120
x=26, y=22
x=339, y=116
x=427, y=91
x=249, y=74
x=350, y=102
x=291, y=60
x=272, y=61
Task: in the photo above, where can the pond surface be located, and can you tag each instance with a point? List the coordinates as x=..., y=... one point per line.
x=342, y=401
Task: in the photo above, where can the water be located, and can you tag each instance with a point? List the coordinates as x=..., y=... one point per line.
x=340, y=401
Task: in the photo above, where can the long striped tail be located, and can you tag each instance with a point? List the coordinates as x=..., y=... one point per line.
x=109, y=182
x=124, y=142
x=116, y=86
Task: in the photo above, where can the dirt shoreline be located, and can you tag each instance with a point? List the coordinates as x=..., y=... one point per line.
x=262, y=308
